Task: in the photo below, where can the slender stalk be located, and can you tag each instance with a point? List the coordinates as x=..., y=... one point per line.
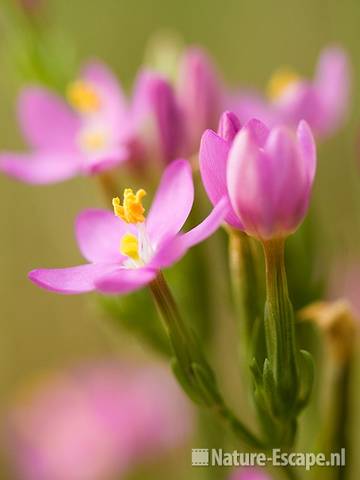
x=248, y=295
x=280, y=323
x=199, y=381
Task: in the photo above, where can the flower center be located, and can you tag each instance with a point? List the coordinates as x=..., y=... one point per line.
x=132, y=210
x=83, y=97
x=280, y=81
x=129, y=246
x=93, y=140
x=136, y=247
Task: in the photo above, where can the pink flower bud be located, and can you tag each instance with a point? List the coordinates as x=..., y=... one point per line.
x=270, y=176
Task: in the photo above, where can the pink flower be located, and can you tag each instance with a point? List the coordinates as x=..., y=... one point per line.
x=266, y=174
x=169, y=121
x=97, y=421
x=249, y=473
x=156, y=121
x=322, y=102
x=145, y=245
x=200, y=95
x=82, y=136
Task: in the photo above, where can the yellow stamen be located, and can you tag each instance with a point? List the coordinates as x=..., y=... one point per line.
x=280, y=81
x=129, y=246
x=83, y=97
x=132, y=210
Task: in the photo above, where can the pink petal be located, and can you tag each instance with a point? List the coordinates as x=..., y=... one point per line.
x=250, y=188
x=208, y=226
x=213, y=157
x=250, y=473
x=41, y=168
x=71, y=280
x=333, y=85
x=251, y=104
x=200, y=95
x=259, y=131
x=156, y=117
x=107, y=161
x=308, y=149
x=46, y=121
x=114, y=103
x=170, y=252
x=301, y=102
x=286, y=170
x=229, y=125
x=172, y=204
x=175, y=248
x=289, y=177
x=125, y=280
x=98, y=233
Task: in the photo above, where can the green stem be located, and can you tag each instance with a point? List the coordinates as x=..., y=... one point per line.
x=247, y=292
x=192, y=369
x=244, y=278
x=280, y=324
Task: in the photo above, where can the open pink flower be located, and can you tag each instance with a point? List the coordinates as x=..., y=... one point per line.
x=145, y=245
x=322, y=102
x=266, y=174
x=83, y=135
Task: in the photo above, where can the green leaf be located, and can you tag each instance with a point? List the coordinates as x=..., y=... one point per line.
x=183, y=380
x=207, y=384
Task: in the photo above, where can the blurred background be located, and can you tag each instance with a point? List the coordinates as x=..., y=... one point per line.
x=41, y=332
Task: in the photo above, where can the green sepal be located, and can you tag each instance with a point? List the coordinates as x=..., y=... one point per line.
x=270, y=390
x=307, y=374
x=256, y=372
x=184, y=382
x=206, y=384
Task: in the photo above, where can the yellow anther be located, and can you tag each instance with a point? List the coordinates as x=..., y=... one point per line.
x=132, y=210
x=83, y=97
x=280, y=81
x=129, y=246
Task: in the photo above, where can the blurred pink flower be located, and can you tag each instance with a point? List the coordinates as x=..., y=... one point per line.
x=168, y=120
x=322, y=102
x=156, y=121
x=200, y=95
x=266, y=174
x=96, y=128
x=95, y=422
x=249, y=473
x=146, y=246
x=85, y=135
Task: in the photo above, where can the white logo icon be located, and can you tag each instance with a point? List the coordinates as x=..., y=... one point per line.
x=200, y=457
